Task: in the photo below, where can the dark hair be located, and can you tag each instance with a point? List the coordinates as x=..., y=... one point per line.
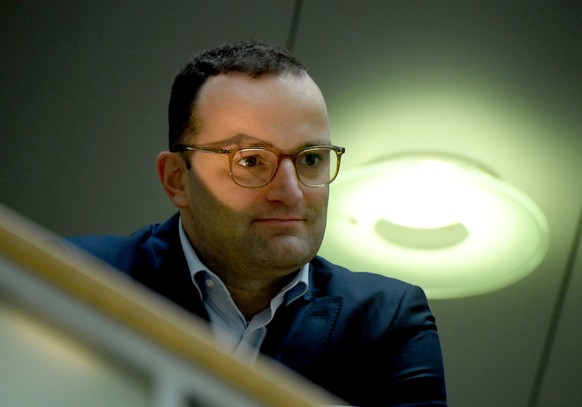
x=254, y=58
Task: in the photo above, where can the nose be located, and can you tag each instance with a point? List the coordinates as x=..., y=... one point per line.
x=285, y=186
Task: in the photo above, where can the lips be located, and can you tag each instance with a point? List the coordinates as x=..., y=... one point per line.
x=280, y=221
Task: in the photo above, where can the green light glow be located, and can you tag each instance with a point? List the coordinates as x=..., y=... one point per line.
x=452, y=227
x=506, y=233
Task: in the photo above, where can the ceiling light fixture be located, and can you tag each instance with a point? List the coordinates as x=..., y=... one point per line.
x=440, y=221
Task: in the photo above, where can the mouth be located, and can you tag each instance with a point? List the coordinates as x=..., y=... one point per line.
x=280, y=221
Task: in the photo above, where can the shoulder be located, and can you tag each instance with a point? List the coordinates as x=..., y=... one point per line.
x=338, y=278
x=125, y=252
x=370, y=293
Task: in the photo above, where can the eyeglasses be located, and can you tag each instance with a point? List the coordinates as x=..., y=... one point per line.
x=255, y=167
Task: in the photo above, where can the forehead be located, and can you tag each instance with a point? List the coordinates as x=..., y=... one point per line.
x=281, y=110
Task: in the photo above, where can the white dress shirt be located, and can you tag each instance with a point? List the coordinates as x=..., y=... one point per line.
x=228, y=325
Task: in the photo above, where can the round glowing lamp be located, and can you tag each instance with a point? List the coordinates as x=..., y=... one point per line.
x=445, y=223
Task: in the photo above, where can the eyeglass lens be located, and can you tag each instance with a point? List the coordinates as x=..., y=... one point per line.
x=256, y=167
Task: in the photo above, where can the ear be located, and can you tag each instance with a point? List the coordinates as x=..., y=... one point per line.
x=172, y=172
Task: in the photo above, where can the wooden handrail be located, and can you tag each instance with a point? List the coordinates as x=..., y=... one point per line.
x=92, y=282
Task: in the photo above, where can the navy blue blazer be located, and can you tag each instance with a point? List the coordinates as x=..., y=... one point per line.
x=369, y=339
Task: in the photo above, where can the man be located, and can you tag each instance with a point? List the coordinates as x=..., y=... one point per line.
x=249, y=165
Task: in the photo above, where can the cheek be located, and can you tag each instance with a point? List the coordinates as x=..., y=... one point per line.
x=318, y=197
x=237, y=198
x=212, y=181
x=224, y=193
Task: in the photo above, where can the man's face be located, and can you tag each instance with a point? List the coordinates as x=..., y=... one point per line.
x=272, y=229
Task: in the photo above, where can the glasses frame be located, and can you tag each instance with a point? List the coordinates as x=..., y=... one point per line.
x=230, y=152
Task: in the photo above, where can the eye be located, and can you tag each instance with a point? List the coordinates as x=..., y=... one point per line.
x=313, y=158
x=249, y=161
x=252, y=159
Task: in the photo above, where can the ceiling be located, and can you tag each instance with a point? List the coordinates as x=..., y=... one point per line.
x=83, y=114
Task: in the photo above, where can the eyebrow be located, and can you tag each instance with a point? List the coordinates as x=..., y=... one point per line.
x=242, y=140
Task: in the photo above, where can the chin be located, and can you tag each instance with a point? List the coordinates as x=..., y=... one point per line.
x=294, y=253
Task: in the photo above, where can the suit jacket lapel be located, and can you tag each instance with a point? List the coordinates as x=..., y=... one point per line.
x=301, y=332
x=166, y=270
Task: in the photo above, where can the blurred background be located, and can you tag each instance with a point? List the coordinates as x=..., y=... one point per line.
x=83, y=102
